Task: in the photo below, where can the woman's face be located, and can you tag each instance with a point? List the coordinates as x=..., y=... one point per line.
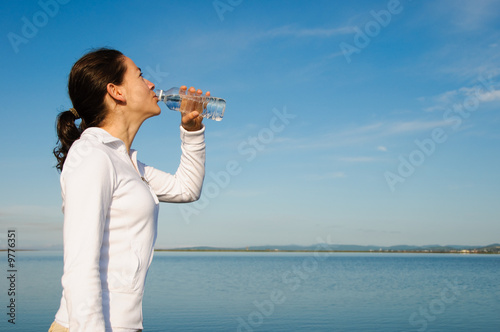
x=141, y=99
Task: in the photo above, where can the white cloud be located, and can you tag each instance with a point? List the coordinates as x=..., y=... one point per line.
x=357, y=159
x=434, y=108
x=382, y=148
x=243, y=193
x=240, y=40
x=489, y=96
x=29, y=213
x=289, y=30
x=414, y=126
x=326, y=176
x=370, y=133
x=466, y=39
x=336, y=54
x=483, y=92
x=447, y=96
x=463, y=16
x=36, y=226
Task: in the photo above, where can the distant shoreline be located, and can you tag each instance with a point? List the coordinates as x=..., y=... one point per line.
x=276, y=250
x=327, y=251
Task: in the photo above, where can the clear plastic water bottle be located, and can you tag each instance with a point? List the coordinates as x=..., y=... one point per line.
x=213, y=107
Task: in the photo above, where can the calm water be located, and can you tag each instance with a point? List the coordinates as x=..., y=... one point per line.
x=288, y=292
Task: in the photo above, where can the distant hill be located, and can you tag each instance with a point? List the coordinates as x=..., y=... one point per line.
x=492, y=248
x=434, y=248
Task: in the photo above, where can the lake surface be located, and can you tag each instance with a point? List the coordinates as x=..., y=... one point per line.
x=202, y=291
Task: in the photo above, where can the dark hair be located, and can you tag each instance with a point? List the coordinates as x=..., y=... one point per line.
x=87, y=87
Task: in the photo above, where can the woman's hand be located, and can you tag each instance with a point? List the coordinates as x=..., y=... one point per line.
x=191, y=110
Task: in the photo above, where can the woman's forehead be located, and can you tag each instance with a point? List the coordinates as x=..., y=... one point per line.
x=130, y=64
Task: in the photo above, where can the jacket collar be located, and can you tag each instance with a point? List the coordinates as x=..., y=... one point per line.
x=106, y=138
x=101, y=135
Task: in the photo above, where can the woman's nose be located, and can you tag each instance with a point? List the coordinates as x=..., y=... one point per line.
x=150, y=85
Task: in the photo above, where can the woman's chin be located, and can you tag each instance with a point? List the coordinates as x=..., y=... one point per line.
x=157, y=111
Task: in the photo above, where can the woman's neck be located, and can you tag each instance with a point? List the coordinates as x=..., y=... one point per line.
x=122, y=129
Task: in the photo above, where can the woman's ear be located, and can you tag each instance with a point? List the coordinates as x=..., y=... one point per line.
x=116, y=92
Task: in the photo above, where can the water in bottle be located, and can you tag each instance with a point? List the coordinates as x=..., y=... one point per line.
x=213, y=107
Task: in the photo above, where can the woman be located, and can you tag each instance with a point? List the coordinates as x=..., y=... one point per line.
x=110, y=199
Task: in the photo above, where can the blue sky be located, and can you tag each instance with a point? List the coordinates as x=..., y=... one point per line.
x=360, y=122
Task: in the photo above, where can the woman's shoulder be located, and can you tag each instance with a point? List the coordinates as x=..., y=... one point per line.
x=87, y=145
x=97, y=141
x=88, y=153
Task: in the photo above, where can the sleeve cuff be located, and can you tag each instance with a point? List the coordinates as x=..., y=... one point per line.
x=193, y=137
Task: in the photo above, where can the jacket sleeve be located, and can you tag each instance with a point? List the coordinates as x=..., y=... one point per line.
x=87, y=183
x=185, y=185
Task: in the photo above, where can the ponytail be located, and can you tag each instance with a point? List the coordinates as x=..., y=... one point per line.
x=67, y=133
x=87, y=87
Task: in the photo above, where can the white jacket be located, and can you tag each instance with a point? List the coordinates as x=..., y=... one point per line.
x=110, y=205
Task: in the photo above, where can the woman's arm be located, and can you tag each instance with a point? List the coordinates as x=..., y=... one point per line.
x=185, y=185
